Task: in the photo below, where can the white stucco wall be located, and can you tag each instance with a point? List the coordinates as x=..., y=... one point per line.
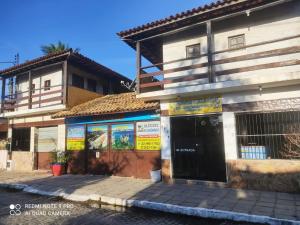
x=54, y=74
x=33, y=139
x=165, y=137
x=61, y=137
x=229, y=133
x=264, y=25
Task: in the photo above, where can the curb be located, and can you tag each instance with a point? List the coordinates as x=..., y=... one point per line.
x=164, y=207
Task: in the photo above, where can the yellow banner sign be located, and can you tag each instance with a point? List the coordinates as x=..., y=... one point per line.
x=148, y=135
x=199, y=106
x=75, y=137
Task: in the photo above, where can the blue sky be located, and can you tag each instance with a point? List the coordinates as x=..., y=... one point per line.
x=90, y=25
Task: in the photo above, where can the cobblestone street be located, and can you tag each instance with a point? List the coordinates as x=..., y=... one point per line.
x=75, y=213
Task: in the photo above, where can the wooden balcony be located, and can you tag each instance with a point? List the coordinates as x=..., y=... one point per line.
x=266, y=58
x=35, y=98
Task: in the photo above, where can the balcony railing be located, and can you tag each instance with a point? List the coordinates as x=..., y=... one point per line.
x=38, y=98
x=225, y=66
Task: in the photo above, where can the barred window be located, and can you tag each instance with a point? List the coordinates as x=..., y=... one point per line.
x=273, y=135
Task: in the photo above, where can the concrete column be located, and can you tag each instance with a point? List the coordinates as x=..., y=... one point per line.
x=61, y=137
x=229, y=130
x=166, y=149
x=33, y=139
x=165, y=138
x=9, y=133
x=33, y=146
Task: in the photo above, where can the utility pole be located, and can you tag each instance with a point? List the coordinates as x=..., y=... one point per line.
x=11, y=80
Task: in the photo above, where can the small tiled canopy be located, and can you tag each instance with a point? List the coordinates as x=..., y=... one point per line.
x=109, y=104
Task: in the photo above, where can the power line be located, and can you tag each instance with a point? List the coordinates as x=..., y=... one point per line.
x=15, y=62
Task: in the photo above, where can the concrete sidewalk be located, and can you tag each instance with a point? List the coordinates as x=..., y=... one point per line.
x=197, y=200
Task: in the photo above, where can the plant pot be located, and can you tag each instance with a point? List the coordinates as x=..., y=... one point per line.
x=57, y=169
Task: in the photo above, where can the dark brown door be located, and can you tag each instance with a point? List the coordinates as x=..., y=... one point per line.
x=197, y=148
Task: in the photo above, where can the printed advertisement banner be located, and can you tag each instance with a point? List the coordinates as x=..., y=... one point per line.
x=122, y=136
x=199, y=106
x=97, y=137
x=148, y=135
x=75, y=137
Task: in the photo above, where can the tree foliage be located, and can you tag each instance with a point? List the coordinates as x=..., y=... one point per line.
x=52, y=48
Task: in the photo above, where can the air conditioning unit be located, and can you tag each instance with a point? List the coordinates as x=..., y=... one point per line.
x=9, y=165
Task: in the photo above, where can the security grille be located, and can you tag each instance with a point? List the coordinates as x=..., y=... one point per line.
x=268, y=135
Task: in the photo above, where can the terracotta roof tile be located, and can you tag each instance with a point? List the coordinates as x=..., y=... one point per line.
x=109, y=104
x=207, y=8
x=36, y=61
x=175, y=17
x=47, y=59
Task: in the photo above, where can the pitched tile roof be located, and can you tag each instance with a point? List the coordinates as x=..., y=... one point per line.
x=58, y=57
x=109, y=104
x=204, y=9
x=36, y=61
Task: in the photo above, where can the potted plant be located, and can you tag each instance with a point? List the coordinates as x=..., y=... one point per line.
x=59, y=161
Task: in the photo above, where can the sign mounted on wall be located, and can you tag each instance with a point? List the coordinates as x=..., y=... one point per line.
x=148, y=135
x=75, y=137
x=198, y=106
x=97, y=137
x=122, y=136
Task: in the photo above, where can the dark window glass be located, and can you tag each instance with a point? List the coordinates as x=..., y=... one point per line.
x=21, y=139
x=92, y=85
x=77, y=81
x=193, y=51
x=47, y=85
x=236, y=41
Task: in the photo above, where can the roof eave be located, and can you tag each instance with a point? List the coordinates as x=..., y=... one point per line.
x=107, y=113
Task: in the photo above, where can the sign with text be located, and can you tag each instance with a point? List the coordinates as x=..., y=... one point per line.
x=148, y=135
x=75, y=137
x=198, y=106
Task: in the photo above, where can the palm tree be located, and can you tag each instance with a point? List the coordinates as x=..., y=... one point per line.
x=52, y=48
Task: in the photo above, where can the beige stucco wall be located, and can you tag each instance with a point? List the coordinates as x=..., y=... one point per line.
x=271, y=175
x=3, y=159
x=22, y=161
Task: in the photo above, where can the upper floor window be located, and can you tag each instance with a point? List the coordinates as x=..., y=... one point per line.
x=47, y=85
x=77, y=81
x=237, y=41
x=193, y=51
x=92, y=85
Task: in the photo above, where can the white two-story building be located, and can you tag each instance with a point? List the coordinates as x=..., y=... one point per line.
x=227, y=76
x=35, y=90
